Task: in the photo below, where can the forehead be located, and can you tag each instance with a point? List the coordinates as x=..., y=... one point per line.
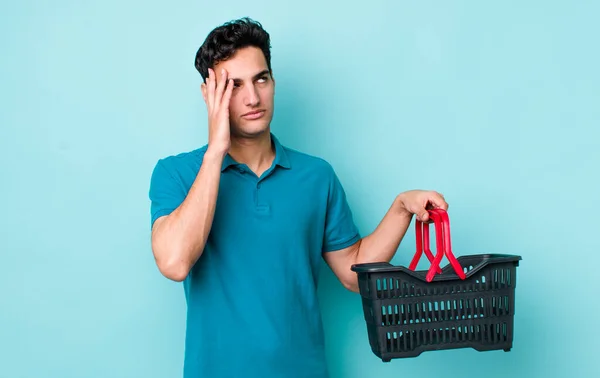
x=244, y=64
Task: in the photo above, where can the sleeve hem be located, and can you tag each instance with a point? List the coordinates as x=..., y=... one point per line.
x=159, y=213
x=341, y=245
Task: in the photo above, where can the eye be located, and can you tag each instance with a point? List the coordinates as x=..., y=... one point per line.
x=263, y=79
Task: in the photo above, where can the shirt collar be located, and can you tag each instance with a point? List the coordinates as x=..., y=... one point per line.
x=281, y=157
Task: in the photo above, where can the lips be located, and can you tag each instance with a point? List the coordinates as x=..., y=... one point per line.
x=254, y=114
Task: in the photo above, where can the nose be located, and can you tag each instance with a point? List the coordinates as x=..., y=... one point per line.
x=251, y=97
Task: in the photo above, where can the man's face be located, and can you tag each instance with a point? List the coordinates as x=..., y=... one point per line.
x=251, y=105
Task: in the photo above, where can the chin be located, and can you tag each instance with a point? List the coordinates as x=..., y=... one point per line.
x=250, y=129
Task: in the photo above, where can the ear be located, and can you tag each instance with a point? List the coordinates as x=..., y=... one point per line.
x=203, y=90
x=273, y=79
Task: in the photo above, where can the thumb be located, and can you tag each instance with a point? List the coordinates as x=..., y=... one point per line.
x=423, y=215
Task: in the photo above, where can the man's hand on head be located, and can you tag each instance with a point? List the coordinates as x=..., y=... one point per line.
x=217, y=95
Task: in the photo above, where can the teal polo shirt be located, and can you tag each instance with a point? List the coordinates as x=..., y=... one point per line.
x=252, y=307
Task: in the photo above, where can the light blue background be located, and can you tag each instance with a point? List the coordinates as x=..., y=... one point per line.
x=494, y=104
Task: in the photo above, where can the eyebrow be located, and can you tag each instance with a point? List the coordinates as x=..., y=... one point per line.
x=258, y=75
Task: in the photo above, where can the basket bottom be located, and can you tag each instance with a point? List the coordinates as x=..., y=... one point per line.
x=388, y=357
x=482, y=338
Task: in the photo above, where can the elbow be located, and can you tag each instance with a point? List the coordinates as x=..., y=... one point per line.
x=172, y=266
x=174, y=271
x=351, y=284
x=170, y=254
x=353, y=288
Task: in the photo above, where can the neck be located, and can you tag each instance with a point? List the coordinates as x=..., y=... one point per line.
x=256, y=153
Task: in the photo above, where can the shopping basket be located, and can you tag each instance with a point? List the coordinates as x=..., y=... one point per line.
x=470, y=303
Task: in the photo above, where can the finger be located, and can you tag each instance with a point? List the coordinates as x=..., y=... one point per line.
x=210, y=89
x=423, y=215
x=444, y=203
x=438, y=201
x=227, y=96
x=220, y=88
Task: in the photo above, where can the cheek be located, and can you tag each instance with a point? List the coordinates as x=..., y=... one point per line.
x=266, y=95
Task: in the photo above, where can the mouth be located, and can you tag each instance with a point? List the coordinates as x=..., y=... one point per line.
x=256, y=114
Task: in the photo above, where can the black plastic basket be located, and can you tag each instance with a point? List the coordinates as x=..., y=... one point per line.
x=406, y=315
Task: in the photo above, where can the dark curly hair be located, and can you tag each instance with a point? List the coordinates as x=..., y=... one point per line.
x=223, y=41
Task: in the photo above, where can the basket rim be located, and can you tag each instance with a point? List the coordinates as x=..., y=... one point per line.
x=448, y=273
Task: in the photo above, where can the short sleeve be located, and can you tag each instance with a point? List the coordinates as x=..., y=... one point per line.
x=165, y=192
x=340, y=229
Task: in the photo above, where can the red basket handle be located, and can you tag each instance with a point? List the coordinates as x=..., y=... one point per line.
x=441, y=216
x=422, y=237
x=443, y=243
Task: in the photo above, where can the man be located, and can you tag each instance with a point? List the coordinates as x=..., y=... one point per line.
x=244, y=222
